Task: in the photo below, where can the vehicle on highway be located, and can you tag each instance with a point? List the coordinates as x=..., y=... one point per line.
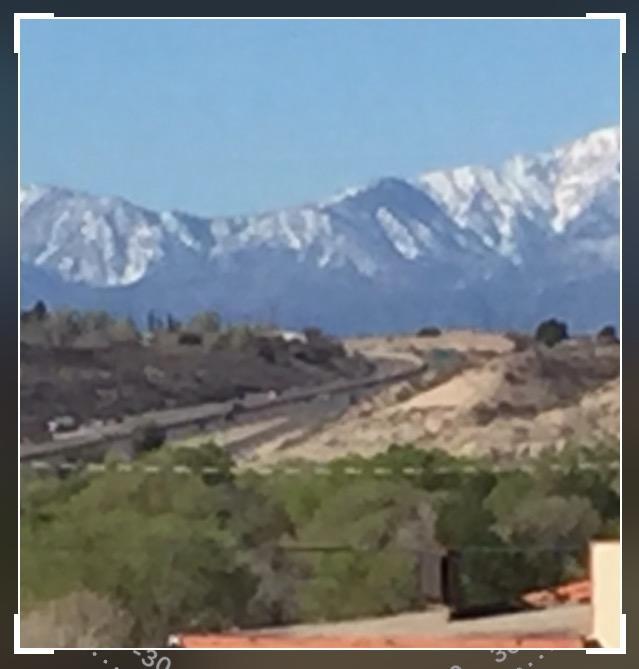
x=62, y=424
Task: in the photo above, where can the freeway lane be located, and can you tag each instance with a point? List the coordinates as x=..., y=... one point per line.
x=95, y=441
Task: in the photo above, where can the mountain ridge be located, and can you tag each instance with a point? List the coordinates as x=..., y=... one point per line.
x=477, y=239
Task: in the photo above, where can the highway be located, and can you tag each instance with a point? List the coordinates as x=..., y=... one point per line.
x=299, y=410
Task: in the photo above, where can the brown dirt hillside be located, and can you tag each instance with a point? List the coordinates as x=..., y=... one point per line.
x=128, y=378
x=503, y=402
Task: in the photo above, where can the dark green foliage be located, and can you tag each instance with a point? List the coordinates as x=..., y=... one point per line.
x=271, y=349
x=151, y=545
x=153, y=322
x=190, y=339
x=39, y=310
x=65, y=328
x=551, y=332
x=172, y=323
x=37, y=313
x=608, y=335
x=214, y=463
x=219, y=547
x=320, y=348
x=378, y=528
x=429, y=331
x=148, y=437
x=312, y=333
x=585, y=472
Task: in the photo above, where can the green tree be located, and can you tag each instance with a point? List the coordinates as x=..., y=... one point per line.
x=201, y=544
x=148, y=437
x=551, y=332
x=375, y=572
x=555, y=522
x=583, y=471
x=153, y=322
x=211, y=463
x=172, y=323
x=608, y=334
x=40, y=311
x=151, y=542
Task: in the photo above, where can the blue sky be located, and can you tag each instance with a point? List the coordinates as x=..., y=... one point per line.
x=221, y=117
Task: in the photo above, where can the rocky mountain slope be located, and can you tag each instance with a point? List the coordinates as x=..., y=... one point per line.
x=473, y=246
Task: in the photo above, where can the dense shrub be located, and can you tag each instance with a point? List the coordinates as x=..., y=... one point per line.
x=608, y=335
x=65, y=328
x=38, y=312
x=148, y=437
x=190, y=339
x=271, y=349
x=222, y=547
x=320, y=348
x=551, y=332
x=429, y=332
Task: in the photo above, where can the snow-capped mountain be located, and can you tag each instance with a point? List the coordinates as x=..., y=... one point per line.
x=471, y=246
x=548, y=192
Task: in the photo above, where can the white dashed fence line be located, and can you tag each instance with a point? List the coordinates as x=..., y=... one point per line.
x=288, y=470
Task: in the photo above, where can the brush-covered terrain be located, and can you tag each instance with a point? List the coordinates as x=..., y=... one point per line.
x=91, y=366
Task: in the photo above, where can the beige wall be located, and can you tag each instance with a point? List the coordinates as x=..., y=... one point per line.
x=605, y=565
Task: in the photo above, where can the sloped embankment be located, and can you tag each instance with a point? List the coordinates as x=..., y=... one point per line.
x=516, y=402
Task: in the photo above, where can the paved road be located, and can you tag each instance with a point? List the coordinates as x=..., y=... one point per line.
x=302, y=409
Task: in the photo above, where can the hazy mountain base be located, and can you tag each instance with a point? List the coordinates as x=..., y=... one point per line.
x=344, y=302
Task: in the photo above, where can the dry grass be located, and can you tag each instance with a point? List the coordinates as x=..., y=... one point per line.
x=79, y=620
x=504, y=402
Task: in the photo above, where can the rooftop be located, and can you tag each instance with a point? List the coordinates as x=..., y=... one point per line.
x=562, y=626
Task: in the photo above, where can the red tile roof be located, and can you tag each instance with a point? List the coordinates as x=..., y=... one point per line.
x=577, y=592
x=247, y=640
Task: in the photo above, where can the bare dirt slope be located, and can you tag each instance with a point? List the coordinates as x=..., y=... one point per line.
x=504, y=401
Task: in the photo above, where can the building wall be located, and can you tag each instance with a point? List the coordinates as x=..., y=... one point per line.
x=605, y=565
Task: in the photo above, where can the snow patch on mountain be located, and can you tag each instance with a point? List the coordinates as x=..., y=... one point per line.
x=550, y=188
x=471, y=245
x=398, y=235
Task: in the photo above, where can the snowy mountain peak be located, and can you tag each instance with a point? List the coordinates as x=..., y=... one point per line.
x=472, y=245
x=586, y=169
x=602, y=143
x=550, y=188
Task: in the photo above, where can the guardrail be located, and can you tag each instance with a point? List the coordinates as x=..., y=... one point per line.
x=109, y=435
